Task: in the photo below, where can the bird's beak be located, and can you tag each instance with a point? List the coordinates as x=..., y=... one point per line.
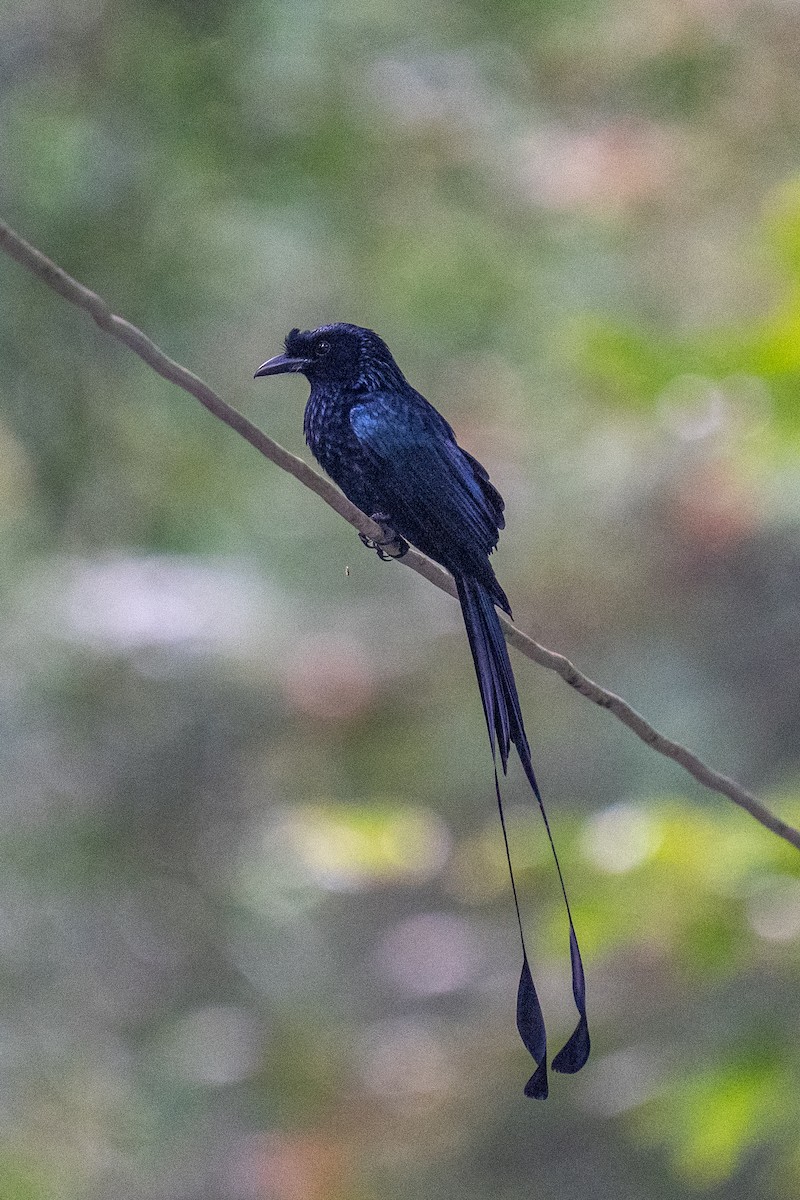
x=280, y=364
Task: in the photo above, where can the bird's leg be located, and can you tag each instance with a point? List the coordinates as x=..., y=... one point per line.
x=390, y=544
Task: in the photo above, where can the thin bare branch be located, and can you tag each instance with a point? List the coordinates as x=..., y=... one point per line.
x=42, y=267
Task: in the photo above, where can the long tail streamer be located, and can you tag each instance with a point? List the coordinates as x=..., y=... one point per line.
x=503, y=713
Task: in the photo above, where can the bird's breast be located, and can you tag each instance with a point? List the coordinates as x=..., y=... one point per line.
x=333, y=443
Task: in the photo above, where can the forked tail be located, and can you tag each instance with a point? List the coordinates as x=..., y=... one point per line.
x=501, y=707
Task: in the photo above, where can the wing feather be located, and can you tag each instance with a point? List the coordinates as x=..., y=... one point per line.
x=437, y=496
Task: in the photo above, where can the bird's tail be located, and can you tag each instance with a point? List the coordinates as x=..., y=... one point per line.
x=504, y=721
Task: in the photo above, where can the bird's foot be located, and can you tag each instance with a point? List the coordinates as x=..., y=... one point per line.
x=390, y=545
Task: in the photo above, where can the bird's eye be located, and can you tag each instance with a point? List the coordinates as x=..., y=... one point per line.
x=322, y=347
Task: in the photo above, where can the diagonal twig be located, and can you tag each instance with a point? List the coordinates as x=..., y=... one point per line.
x=57, y=279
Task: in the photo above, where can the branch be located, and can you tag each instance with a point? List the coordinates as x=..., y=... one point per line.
x=40, y=266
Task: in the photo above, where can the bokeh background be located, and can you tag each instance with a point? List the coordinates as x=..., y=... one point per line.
x=256, y=937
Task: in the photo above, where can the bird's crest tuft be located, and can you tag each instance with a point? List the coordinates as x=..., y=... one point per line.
x=293, y=341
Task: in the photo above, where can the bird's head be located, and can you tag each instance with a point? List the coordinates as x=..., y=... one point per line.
x=343, y=356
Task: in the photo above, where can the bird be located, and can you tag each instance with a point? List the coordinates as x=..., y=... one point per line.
x=397, y=459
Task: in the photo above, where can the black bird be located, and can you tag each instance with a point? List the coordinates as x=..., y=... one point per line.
x=397, y=459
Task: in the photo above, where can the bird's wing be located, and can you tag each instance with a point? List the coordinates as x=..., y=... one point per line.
x=437, y=496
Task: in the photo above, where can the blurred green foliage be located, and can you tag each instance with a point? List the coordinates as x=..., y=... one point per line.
x=255, y=929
